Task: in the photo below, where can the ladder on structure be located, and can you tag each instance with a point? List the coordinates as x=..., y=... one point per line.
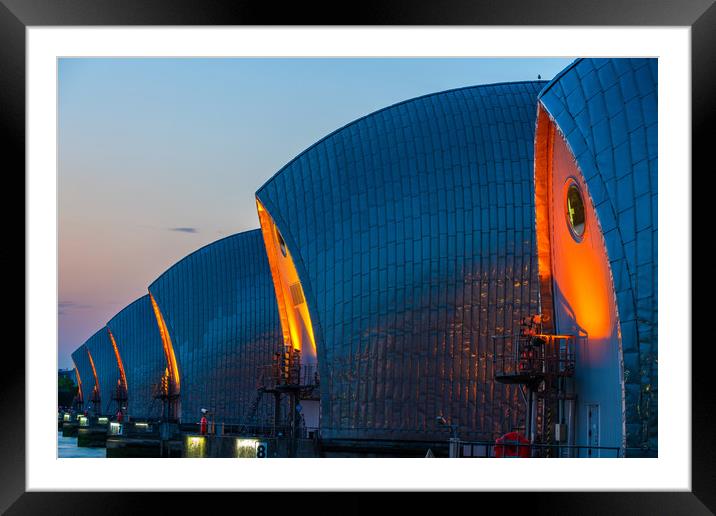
x=541, y=363
x=253, y=410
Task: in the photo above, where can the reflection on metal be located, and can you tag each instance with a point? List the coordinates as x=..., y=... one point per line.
x=413, y=232
x=581, y=286
x=78, y=402
x=122, y=376
x=136, y=335
x=579, y=268
x=121, y=390
x=173, y=385
x=606, y=110
x=218, y=306
x=295, y=317
x=105, y=371
x=544, y=144
x=96, y=396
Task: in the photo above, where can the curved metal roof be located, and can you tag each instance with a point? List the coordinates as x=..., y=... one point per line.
x=80, y=358
x=607, y=111
x=412, y=231
x=220, y=311
x=139, y=345
x=105, y=364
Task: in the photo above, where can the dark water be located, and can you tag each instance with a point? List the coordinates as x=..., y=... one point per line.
x=67, y=447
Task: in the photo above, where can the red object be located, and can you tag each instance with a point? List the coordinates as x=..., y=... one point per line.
x=506, y=446
x=119, y=416
x=202, y=425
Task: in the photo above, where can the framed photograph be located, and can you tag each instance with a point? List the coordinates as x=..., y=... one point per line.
x=349, y=245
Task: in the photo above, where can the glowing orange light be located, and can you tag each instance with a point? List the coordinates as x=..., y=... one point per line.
x=543, y=174
x=79, y=380
x=94, y=371
x=122, y=376
x=173, y=370
x=577, y=268
x=292, y=306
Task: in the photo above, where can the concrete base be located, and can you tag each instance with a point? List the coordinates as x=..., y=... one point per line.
x=223, y=446
x=119, y=446
x=378, y=448
x=92, y=436
x=69, y=429
x=305, y=448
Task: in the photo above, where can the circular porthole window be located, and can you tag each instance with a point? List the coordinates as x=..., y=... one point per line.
x=576, y=217
x=281, y=243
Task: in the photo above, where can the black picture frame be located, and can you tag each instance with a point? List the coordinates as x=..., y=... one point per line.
x=16, y=15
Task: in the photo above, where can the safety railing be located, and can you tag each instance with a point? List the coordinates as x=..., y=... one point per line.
x=237, y=429
x=515, y=449
x=274, y=375
x=524, y=357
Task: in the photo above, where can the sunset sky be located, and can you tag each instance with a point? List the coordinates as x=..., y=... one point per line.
x=158, y=157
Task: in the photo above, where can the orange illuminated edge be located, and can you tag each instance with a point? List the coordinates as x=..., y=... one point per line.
x=290, y=332
x=94, y=371
x=544, y=139
x=119, y=359
x=167, y=343
x=79, y=380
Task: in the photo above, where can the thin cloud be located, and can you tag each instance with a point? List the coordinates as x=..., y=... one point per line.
x=184, y=230
x=64, y=306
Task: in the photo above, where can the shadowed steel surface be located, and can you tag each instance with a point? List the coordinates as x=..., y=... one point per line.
x=220, y=310
x=412, y=232
x=140, y=346
x=105, y=363
x=606, y=109
x=84, y=372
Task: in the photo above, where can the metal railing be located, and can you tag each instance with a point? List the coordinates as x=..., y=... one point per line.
x=534, y=355
x=274, y=375
x=237, y=430
x=487, y=449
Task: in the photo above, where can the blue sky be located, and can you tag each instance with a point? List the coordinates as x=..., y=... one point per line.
x=158, y=157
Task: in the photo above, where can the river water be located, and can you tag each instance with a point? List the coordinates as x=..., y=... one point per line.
x=67, y=447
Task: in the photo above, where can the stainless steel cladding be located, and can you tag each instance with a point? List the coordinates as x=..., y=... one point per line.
x=104, y=364
x=606, y=112
x=139, y=348
x=84, y=375
x=412, y=234
x=222, y=324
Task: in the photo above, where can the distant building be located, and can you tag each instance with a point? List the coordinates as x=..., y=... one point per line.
x=66, y=387
x=66, y=373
